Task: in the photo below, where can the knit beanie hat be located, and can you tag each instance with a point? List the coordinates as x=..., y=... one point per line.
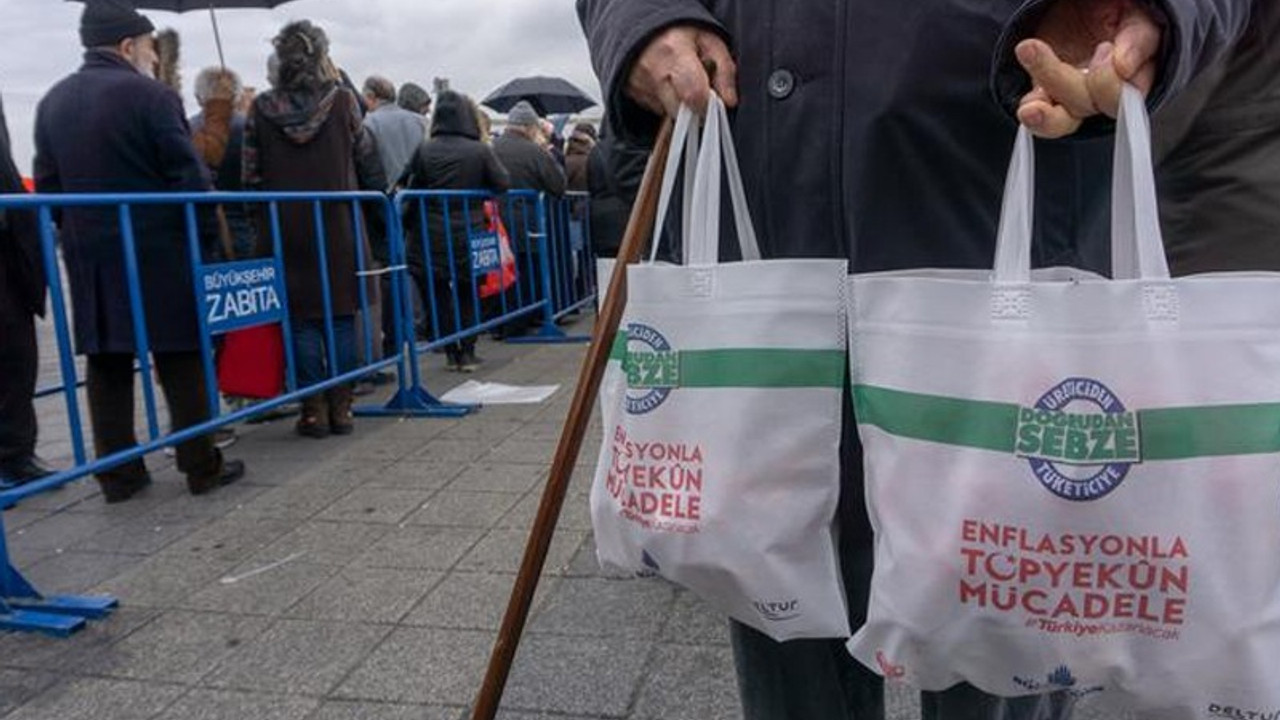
x=107, y=22
x=523, y=115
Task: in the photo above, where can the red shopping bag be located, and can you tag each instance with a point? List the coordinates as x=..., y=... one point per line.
x=251, y=364
x=494, y=283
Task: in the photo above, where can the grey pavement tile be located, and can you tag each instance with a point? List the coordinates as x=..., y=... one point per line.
x=219, y=502
x=458, y=508
x=464, y=451
x=143, y=535
x=327, y=543
x=69, y=496
x=575, y=513
x=474, y=601
x=19, y=686
x=476, y=428
x=178, y=647
x=34, y=650
x=295, y=500
x=694, y=623
x=586, y=564
x=417, y=473
x=164, y=579
x=422, y=665
x=230, y=539
x=689, y=683
x=375, y=505
x=606, y=608
x=521, y=450
x=16, y=518
x=576, y=675
x=421, y=547
x=498, y=477
x=305, y=657
x=371, y=595
x=377, y=449
x=520, y=715
x=202, y=704
x=61, y=530
x=261, y=588
x=346, y=710
x=95, y=699
x=76, y=572
x=502, y=550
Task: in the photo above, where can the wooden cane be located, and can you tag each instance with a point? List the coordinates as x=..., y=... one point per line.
x=639, y=228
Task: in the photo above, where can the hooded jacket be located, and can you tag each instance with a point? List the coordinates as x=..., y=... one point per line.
x=312, y=140
x=575, y=161
x=1217, y=148
x=453, y=159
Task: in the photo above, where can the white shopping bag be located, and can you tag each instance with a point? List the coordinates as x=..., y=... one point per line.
x=719, y=467
x=1075, y=484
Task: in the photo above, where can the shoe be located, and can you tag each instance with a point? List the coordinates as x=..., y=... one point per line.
x=453, y=360
x=223, y=438
x=117, y=490
x=232, y=470
x=363, y=388
x=23, y=471
x=469, y=362
x=341, y=421
x=314, y=421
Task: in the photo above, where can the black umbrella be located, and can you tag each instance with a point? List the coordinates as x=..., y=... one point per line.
x=547, y=95
x=181, y=6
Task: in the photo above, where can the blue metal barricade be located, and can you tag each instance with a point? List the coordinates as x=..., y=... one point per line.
x=478, y=262
x=229, y=296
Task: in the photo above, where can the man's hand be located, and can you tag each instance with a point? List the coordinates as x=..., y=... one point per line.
x=681, y=65
x=1083, y=53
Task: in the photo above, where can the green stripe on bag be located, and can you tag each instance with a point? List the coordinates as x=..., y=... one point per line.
x=751, y=367
x=1166, y=434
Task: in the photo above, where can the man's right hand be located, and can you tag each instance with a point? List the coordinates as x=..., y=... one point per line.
x=674, y=70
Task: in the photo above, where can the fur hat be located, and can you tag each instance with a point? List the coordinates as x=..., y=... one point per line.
x=107, y=22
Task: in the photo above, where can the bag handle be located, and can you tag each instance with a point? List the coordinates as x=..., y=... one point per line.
x=1137, y=245
x=718, y=143
x=684, y=143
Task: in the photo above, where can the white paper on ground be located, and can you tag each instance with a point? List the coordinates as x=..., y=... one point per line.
x=473, y=392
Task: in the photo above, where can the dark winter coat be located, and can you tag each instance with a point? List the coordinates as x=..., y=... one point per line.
x=531, y=167
x=312, y=142
x=21, y=264
x=453, y=159
x=108, y=129
x=868, y=129
x=614, y=172
x=1218, y=151
x=575, y=161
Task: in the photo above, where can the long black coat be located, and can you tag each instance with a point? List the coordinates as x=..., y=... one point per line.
x=109, y=129
x=868, y=129
x=1218, y=151
x=453, y=159
x=21, y=266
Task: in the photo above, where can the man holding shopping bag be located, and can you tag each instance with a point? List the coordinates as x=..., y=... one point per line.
x=868, y=131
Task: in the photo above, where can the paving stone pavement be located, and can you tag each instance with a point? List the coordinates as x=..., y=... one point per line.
x=360, y=578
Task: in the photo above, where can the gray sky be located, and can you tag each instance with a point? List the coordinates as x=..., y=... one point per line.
x=477, y=45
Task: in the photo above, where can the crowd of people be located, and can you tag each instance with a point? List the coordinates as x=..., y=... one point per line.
x=118, y=125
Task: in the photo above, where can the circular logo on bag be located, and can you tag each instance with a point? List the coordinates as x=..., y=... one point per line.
x=1079, y=440
x=652, y=369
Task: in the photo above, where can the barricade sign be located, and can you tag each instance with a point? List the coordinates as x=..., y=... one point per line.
x=241, y=294
x=486, y=254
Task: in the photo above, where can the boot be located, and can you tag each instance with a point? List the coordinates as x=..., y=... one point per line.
x=340, y=417
x=314, y=421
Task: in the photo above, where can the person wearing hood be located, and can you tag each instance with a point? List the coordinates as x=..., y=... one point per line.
x=454, y=158
x=111, y=128
x=305, y=134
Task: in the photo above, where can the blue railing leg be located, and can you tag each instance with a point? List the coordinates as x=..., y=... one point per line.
x=411, y=398
x=548, y=332
x=24, y=609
